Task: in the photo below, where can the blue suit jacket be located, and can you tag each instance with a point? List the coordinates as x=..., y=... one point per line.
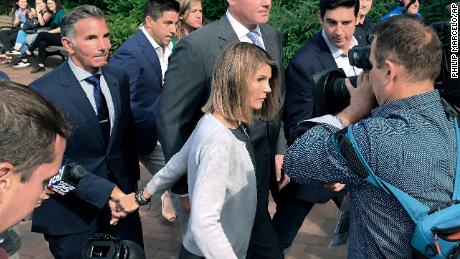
x=138, y=59
x=77, y=211
x=3, y=75
x=397, y=11
x=312, y=58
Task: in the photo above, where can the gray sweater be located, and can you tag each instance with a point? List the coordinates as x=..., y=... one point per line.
x=222, y=189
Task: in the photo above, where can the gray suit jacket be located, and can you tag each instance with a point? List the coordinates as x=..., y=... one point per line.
x=187, y=86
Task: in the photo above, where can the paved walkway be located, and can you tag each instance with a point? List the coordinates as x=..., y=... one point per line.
x=162, y=239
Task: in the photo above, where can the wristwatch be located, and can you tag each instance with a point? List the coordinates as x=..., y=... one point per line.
x=139, y=196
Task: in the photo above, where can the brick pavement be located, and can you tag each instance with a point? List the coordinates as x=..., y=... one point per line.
x=162, y=239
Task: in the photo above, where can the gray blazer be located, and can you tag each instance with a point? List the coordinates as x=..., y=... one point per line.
x=187, y=86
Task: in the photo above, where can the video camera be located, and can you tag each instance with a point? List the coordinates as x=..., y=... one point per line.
x=331, y=95
x=105, y=246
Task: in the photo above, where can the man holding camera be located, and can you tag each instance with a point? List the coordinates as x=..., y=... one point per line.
x=326, y=50
x=408, y=140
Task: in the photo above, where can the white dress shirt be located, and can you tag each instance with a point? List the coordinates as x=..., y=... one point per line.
x=88, y=88
x=241, y=31
x=341, y=58
x=163, y=53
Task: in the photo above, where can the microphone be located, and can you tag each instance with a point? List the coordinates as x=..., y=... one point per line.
x=67, y=179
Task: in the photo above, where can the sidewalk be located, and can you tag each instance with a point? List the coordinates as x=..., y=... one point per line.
x=162, y=239
x=23, y=75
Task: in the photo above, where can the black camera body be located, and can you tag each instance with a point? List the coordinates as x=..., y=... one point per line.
x=105, y=246
x=329, y=91
x=331, y=95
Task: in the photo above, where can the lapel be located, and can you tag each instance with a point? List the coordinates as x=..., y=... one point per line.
x=72, y=90
x=114, y=87
x=225, y=32
x=270, y=43
x=324, y=53
x=149, y=53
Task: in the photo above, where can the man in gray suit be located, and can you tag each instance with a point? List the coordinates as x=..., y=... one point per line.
x=187, y=86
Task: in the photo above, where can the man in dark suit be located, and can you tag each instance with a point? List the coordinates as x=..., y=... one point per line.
x=95, y=99
x=144, y=57
x=326, y=50
x=186, y=89
x=138, y=57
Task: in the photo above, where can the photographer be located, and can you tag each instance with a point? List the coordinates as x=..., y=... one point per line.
x=407, y=140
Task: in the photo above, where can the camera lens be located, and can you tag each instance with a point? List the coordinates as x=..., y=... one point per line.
x=359, y=56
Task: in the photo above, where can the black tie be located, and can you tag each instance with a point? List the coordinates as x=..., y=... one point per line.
x=101, y=104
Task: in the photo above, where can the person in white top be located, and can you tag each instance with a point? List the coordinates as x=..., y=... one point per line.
x=245, y=86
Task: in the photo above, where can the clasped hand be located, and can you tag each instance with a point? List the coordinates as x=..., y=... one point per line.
x=121, y=205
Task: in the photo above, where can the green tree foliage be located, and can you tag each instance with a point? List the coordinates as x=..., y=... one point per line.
x=124, y=19
x=296, y=19
x=435, y=11
x=74, y=3
x=213, y=9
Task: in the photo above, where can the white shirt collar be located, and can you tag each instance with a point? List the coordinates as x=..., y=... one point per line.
x=336, y=52
x=79, y=72
x=162, y=53
x=151, y=40
x=239, y=28
x=155, y=45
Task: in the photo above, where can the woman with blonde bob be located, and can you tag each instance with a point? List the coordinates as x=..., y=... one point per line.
x=218, y=156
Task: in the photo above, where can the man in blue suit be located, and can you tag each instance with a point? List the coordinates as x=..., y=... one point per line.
x=144, y=57
x=326, y=50
x=95, y=99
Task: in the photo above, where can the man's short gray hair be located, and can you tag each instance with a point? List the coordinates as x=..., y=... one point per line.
x=76, y=14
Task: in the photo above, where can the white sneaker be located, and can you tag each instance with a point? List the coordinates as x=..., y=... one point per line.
x=22, y=65
x=13, y=53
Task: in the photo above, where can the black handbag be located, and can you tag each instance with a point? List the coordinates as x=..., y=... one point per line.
x=31, y=25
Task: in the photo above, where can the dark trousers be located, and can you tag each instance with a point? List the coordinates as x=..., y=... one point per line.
x=264, y=243
x=289, y=218
x=290, y=214
x=184, y=254
x=8, y=38
x=70, y=246
x=43, y=40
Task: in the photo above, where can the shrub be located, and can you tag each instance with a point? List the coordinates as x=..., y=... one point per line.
x=296, y=19
x=121, y=27
x=124, y=19
x=74, y=3
x=213, y=9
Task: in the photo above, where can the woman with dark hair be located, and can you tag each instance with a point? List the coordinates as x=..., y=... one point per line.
x=18, y=18
x=218, y=157
x=41, y=17
x=48, y=38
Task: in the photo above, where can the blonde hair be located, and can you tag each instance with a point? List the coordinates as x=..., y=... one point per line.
x=185, y=6
x=229, y=85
